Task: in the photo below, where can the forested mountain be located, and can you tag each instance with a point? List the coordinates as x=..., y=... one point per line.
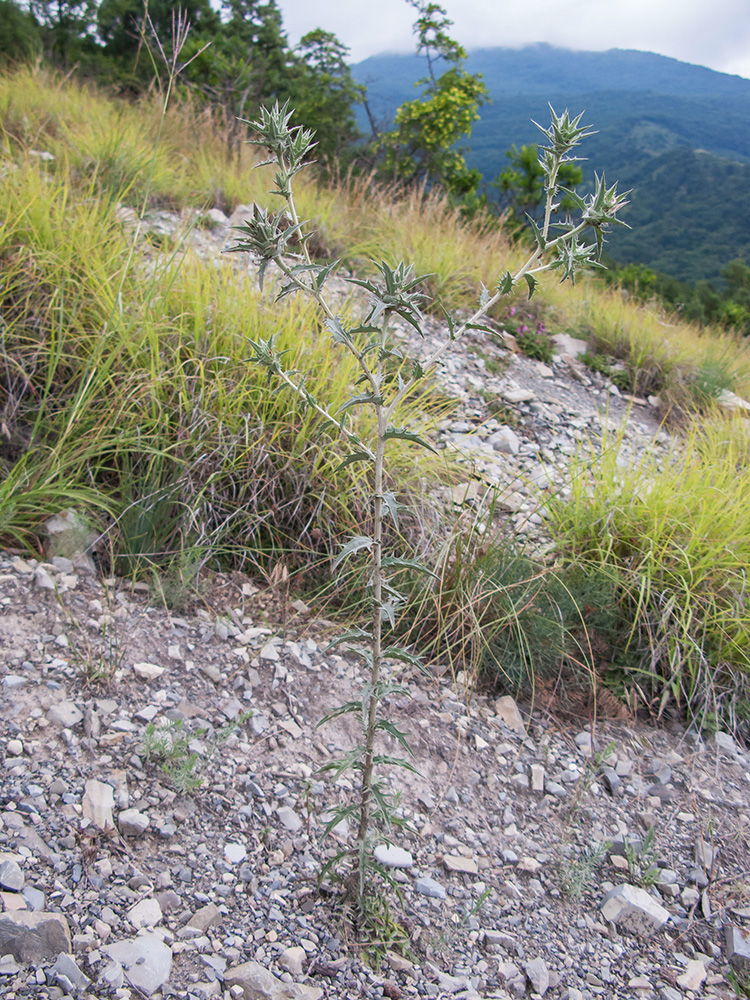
x=677, y=134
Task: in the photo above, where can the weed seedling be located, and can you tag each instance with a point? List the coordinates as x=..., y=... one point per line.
x=169, y=745
x=642, y=867
x=577, y=874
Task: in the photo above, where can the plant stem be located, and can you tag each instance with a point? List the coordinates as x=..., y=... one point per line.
x=377, y=635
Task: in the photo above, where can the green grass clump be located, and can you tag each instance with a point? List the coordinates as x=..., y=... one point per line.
x=507, y=620
x=674, y=533
x=128, y=394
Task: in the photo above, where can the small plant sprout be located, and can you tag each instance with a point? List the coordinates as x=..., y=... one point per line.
x=577, y=874
x=393, y=293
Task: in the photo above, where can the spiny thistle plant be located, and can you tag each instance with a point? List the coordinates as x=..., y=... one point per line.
x=280, y=239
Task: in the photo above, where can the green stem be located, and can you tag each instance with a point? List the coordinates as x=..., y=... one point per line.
x=354, y=438
x=377, y=633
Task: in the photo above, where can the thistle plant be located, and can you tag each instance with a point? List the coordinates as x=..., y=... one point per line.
x=394, y=293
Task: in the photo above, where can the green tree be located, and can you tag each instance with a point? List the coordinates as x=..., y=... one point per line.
x=66, y=28
x=248, y=63
x=324, y=95
x=521, y=185
x=252, y=36
x=129, y=29
x=20, y=37
x=422, y=146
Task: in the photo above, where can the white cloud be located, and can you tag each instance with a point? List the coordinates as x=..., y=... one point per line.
x=713, y=33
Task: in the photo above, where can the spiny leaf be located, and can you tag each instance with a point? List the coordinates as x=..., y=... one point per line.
x=360, y=399
x=388, y=611
x=397, y=653
x=367, y=285
x=348, y=708
x=322, y=273
x=531, y=282
x=356, y=456
x=384, y=758
x=348, y=762
x=385, y=688
x=505, y=283
x=392, y=730
x=407, y=435
x=480, y=326
x=398, y=563
x=352, y=633
x=339, y=814
x=537, y=233
x=354, y=544
x=339, y=334
x=391, y=505
x=451, y=323
x=334, y=862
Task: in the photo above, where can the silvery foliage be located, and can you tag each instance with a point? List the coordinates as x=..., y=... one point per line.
x=281, y=239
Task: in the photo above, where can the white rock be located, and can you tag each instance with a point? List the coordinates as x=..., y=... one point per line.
x=518, y=395
x=258, y=983
x=571, y=346
x=393, y=857
x=132, y=823
x=505, y=441
x=11, y=875
x=538, y=975
x=145, y=960
x=634, y=910
x=42, y=579
x=293, y=959
x=148, y=671
x=508, y=711
x=723, y=742
x=732, y=401
x=693, y=976
x=146, y=913
x=98, y=804
x=289, y=818
x=427, y=886
x=65, y=714
x=66, y=972
x=234, y=853
x=537, y=778
x=458, y=863
x=583, y=742
x=738, y=947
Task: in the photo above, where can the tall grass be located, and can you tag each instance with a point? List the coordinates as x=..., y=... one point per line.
x=675, y=534
x=687, y=366
x=126, y=390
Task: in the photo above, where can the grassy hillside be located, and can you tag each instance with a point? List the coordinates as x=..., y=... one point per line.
x=126, y=393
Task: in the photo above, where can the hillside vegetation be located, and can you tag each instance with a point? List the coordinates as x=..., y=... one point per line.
x=126, y=394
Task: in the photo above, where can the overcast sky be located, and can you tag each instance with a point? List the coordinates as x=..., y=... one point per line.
x=713, y=33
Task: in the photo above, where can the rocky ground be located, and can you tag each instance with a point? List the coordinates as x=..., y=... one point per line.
x=162, y=812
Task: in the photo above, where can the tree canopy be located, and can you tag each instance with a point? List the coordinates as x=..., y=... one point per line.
x=422, y=146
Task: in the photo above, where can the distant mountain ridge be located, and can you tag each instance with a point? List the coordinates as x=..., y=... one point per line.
x=653, y=115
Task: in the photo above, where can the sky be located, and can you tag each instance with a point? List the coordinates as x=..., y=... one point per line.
x=713, y=33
